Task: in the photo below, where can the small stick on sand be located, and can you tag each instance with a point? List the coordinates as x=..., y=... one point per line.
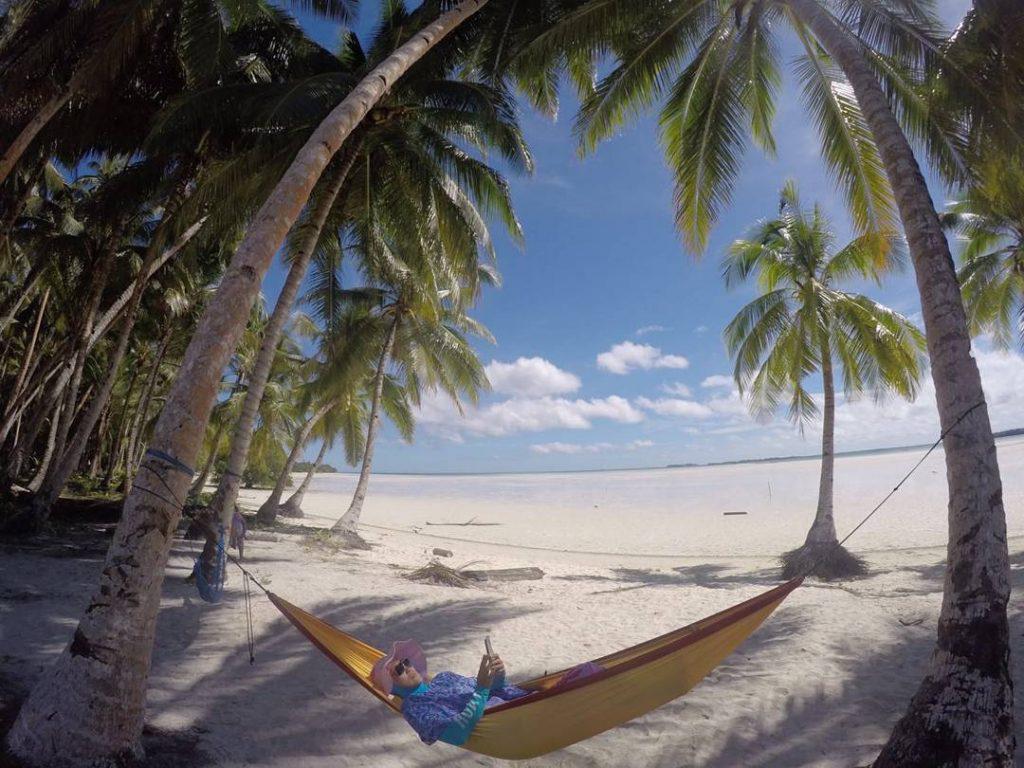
x=471, y=521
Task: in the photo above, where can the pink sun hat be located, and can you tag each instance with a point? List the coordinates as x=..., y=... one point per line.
x=403, y=649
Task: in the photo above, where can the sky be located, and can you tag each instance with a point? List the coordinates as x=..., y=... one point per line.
x=609, y=348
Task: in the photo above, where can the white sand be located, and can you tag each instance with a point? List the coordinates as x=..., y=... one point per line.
x=627, y=555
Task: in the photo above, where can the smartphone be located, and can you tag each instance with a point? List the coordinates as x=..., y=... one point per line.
x=487, y=645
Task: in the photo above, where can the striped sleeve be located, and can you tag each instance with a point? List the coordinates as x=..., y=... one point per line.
x=457, y=732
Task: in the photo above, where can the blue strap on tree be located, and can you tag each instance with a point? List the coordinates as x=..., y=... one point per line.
x=210, y=589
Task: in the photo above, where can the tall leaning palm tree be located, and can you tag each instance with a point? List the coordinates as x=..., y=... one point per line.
x=802, y=324
x=408, y=142
x=713, y=66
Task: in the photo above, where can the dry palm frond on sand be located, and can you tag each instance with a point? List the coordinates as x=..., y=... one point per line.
x=436, y=572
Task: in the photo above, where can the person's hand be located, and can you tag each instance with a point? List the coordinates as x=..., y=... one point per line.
x=497, y=667
x=486, y=674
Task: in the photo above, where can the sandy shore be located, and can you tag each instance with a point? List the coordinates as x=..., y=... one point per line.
x=820, y=684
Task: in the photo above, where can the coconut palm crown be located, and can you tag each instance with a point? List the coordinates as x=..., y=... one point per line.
x=990, y=218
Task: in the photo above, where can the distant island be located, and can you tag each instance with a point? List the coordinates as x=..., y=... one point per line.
x=862, y=452
x=305, y=466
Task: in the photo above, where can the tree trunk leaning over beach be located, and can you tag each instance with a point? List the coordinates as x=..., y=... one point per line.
x=962, y=714
x=348, y=526
x=267, y=512
x=293, y=507
x=90, y=704
x=222, y=506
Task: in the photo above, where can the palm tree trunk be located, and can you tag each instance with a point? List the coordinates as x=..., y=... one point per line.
x=27, y=363
x=348, y=525
x=204, y=475
x=223, y=503
x=90, y=704
x=14, y=459
x=12, y=154
x=101, y=438
x=63, y=468
x=81, y=354
x=293, y=507
x=13, y=303
x=139, y=424
x=962, y=714
x=44, y=462
x=823, y=530
x=267, y=512
x=122, y=429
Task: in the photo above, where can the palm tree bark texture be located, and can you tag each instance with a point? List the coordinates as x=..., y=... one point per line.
x=90, y=704
x=962, y=714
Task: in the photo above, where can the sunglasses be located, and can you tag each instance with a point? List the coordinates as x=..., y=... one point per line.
x=400, y=667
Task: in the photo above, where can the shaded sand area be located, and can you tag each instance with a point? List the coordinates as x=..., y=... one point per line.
x=627, y=555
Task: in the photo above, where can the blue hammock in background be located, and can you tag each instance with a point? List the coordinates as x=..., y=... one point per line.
x=210, y=589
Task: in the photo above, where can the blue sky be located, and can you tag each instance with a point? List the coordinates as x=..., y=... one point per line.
x=609, y=350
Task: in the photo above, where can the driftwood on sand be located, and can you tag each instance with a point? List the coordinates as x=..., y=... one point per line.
x=505, y=574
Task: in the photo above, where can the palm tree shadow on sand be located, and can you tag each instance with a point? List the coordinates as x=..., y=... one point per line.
x=845, y=724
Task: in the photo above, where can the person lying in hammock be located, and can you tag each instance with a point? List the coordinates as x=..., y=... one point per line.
x=447, y=707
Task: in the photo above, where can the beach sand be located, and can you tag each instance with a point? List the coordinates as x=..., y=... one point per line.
x=627, y=556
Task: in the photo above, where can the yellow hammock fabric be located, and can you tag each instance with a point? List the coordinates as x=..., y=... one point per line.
x=634, y=681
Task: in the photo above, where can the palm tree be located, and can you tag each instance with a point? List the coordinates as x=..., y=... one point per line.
x=345, y=420
x=56, y=54
x=801, y=324
x=982, y=81
x=414, y=125
x=715, y=68
x=52, y=721
x=990, y=218
x=293, y=506
x=424, y=337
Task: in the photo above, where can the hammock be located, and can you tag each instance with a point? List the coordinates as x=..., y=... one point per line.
x=210, y=589
x=634, y=681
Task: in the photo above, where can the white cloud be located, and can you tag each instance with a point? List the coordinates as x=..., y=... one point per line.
x=523, y=415
x=718, y=380
x=729, y=405
x=578, y=448
x=570, y=448
x=667, y=406
x=530, y=377
x=676, y=388
x=624, y=357
x=650, y=329
x=861, y=421
x=701, y=329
